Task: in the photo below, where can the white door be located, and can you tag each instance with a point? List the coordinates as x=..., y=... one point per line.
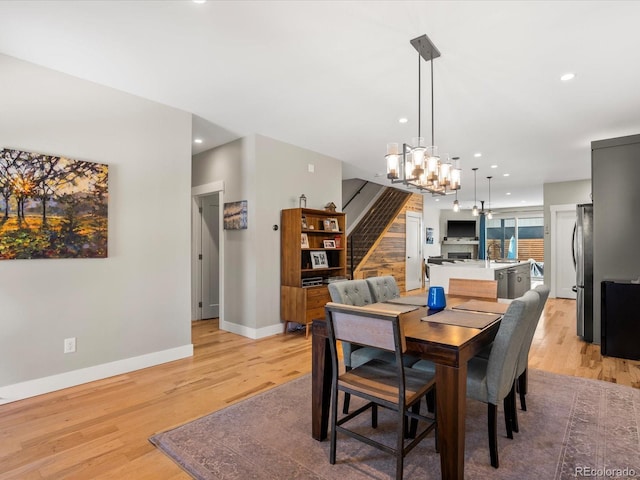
x=210, y=256
x=564, y=277
x=413, y=261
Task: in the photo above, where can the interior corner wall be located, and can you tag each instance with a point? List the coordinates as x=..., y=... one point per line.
x=271, y=175
x=560, y=193
x=136, y=302
x=431, y=219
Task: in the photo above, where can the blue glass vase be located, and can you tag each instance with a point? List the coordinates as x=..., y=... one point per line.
x=436, y=299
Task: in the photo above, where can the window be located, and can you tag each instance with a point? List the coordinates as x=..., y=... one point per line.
x=531, y=238
x=516, y=238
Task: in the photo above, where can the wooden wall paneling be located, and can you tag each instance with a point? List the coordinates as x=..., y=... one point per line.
x=387, y=256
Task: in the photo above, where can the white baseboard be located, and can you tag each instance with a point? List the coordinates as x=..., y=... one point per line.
x=254, y=333
x=39, y=386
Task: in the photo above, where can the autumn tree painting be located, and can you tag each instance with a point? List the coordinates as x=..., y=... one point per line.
x=52, y=207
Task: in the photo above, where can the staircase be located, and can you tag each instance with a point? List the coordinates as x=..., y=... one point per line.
x=374, y=224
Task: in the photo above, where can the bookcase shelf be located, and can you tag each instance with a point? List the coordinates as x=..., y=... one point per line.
x=298, y=303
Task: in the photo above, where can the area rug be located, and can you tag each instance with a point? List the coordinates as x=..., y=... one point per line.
x=573, y=428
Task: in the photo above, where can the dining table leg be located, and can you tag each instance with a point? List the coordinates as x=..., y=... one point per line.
x=320, y=380
x=451, y=397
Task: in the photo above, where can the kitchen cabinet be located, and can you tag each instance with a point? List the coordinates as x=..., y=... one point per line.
x=518, y=280
x=518, y=272
x=501, y=278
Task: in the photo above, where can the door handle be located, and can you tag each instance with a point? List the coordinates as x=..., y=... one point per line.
x=574, y=239
x=574, y=289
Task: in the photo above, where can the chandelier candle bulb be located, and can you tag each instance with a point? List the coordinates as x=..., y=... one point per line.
x=393, y=159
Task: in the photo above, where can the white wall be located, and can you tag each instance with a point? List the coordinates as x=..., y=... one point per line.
x=270, y=175
x=132, y=308
x=560, y=193
x=431, y=219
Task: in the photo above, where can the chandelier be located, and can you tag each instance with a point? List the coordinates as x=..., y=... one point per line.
x=419, y=165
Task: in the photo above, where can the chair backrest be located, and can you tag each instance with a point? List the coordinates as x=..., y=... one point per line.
x=523, y=359
x=348, y=324
x=473, y=288
x=503, y=359
x=383, y=288
x=351, y=292
x=357, y=325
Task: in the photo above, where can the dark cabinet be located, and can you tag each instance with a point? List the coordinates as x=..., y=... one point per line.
x=620, y=321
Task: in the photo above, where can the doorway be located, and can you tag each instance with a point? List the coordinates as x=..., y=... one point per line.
x=210, y=241
x=207, y=252
x=563, y=278
x=414, y=259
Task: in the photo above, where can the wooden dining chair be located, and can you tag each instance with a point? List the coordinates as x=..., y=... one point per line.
x=465, y=287
x=379, y=383
x=357, y=293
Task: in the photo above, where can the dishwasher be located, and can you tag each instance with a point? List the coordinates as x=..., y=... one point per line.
x=518, y=281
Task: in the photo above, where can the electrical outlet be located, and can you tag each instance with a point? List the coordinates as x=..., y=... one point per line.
x=70, y=345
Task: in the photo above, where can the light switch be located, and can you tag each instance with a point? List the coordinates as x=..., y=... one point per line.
x=312, y=168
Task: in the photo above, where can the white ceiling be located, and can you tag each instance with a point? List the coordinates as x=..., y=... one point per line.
x=335, y=76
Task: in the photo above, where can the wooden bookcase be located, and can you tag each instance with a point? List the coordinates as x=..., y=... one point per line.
x=303, y=272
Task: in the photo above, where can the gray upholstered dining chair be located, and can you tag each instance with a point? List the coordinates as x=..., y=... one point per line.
x=355, y=292
x=523, y=359
x=491, y=380
x=379, y=383
x=383, y=288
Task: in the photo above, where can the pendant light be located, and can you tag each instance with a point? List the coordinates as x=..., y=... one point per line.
x=489, y=213
x=418, y=165
x=474, y=211
x=456, y=204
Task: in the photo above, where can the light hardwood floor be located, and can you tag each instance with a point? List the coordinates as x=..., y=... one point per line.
x=100, y=430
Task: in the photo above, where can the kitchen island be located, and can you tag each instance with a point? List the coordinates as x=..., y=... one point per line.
x=514, y=278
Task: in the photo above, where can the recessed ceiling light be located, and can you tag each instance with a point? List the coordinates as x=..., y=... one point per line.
x=506, y=174
x=197, y=140
x=568, y=76
x=508, y=193
x=199, y=1
x=494, y=166
x=477, y=155
x=523, y=201
x=403, y=120
x=437, y=199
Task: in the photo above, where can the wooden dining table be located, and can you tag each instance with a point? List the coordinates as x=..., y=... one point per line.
x=449, y=346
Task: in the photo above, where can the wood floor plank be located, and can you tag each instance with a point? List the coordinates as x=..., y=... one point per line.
x=100, y=430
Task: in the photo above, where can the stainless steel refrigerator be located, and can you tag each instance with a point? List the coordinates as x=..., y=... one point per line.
x=582, y=248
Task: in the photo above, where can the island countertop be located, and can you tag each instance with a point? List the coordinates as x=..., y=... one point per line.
x=474, y=269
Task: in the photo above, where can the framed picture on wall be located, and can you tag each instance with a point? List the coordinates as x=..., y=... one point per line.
x=235, y=215
x=319, y=259
x=429, y=236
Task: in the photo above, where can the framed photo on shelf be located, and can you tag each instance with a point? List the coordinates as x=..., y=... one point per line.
x=329, y=243
x=304, y=222
x=331, y=225
x=319, y=259
x=304, y=241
